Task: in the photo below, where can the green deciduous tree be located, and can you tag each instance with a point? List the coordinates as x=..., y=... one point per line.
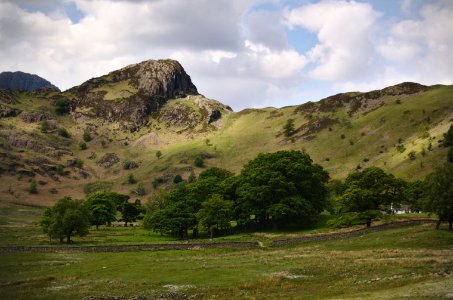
x=66, y=218
x=288, y=129
x=86, y=136
x=371, y=190
x=448, y=137
x=439, y=191
x=102, y=208
x=62, y=106
x=215, y=214
x=199, y=162
x=275, y=183
x=44, y=126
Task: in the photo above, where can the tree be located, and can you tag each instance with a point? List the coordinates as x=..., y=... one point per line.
x=86, y=136
x=83, y=146
x=44, y=126
x=371, y=190
x=439, y=192
x=450, y=155
x=62, y=106
x=158, y=154
x=414, y=195
x=275, y=183
x=177, y=179
x=33, y=188
x=65, y=219
x=216, y=213
x=198, y=162
x=288, y=129
x=448, y=137
x=63, y=132
x=129, y=211
x=130, y=178
x=102, y=208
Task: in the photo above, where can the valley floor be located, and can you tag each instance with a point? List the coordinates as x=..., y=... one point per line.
x=405, y=263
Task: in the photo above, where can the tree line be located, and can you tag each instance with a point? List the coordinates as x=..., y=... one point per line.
x=277, y=190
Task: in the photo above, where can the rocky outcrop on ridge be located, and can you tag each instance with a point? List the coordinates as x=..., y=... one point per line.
x=131, y=94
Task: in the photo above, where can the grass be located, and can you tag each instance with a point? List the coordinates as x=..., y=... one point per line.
x=414, y=262
x=117, y=90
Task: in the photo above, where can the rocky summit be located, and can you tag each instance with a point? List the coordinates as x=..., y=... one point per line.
x=130, y=94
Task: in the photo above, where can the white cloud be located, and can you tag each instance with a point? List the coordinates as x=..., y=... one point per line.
x=424, y=44
x=235, y=51
x=344, y=31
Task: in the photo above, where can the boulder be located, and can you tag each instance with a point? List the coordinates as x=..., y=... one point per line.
x=108, y=160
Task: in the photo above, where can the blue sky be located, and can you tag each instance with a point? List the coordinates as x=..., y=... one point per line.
x=245, y=53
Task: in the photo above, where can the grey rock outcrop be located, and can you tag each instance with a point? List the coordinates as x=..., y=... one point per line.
x=108, y=160
x=131, y=94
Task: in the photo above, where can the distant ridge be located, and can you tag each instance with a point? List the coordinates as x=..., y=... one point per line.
x=24, y=81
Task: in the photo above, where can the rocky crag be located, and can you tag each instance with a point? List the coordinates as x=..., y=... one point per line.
x=131, y=94
x=24, y=81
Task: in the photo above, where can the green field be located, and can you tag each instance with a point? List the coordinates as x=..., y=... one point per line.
x=406, y=263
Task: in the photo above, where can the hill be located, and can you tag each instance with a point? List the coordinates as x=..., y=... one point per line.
x=24, y=81
x=132, y=113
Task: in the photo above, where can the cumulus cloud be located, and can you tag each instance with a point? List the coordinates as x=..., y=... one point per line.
x=236, y=51
x=343, y=30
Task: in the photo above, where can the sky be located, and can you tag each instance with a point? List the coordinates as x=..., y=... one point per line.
x=244, y=53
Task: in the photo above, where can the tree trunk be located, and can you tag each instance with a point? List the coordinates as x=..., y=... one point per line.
x=97, y=226
x=68, y=239
x=61, y=239
x=450, y=224
x=211, y=232
x=125, y=224
x=438, y=224
x=368, y=223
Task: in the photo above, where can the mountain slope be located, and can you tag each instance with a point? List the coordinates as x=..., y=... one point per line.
x=131, y=114
x=24, y=81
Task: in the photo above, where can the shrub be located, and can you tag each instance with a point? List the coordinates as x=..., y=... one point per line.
x=158, y=154
x=177, y=179
x=131, y=179
x=199, y=162
x=33, y=189
x=78, y=163
x=86, y=136
x=450, y=155
x=127, y=165
x=103, y=143
x=63, y=132
x=398, y=101
x=62, y=106
x=83, y=146
x=342, y=136
x=44, y=126
x=411, y=155
x=400, y=148
x=140, y=190
x=288, y=129
x=60, y=169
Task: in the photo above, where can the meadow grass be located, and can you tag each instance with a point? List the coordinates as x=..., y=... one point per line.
x=414, y=262
x=410, y=262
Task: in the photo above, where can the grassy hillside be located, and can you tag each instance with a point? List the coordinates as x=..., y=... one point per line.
x=342, y=133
